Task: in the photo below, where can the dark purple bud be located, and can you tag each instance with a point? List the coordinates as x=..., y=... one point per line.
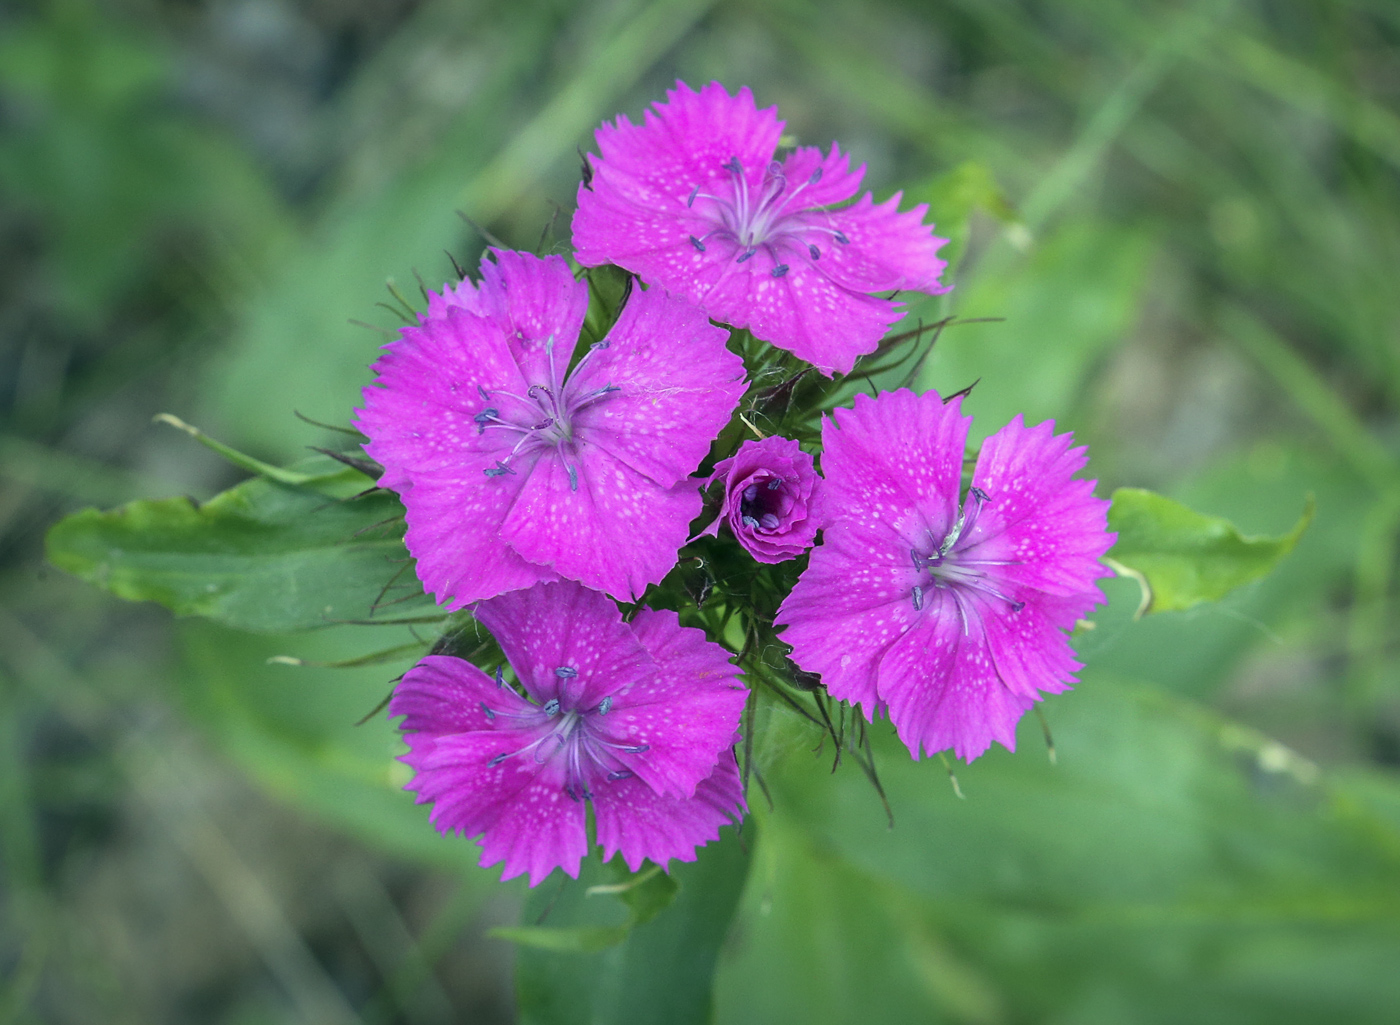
x=770, y=488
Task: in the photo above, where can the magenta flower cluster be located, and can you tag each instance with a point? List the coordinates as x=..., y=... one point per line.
x=543, y=479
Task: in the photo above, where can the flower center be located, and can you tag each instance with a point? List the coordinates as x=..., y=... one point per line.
x=569, y=736
x=766, y=217
x=763, y=504
x=954, y=566
x=543, y=418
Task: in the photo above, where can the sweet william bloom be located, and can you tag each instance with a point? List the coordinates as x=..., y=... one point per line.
x=950, y=613
x=516, y=469
x=769, y=490
x=637, y=719
x=694, y=200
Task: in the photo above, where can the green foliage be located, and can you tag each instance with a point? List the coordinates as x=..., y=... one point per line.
x=262, y=556
x=1089, y=890
x=1181, y=558
x=661, y=972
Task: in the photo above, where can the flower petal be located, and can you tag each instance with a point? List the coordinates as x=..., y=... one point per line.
x=517, y=806
x=618, y=532
x=884, y=249
x=898, y=453
x=677, y=382
x=942, y=687
x=1047, y=530
x=565, y=625
x=685, y=714
x=851, y=603
x=643, y=825
x=443, y=695
x=533, y=300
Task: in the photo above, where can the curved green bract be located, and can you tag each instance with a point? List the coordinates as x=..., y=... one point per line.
x=1181, y=558
x=262, y=556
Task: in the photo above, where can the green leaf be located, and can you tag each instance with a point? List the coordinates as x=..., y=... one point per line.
x=646, y=894
x=1181, y=558
x=262, y=556
x=662, y=972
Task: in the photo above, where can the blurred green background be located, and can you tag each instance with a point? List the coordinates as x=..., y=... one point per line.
x=1188, y=215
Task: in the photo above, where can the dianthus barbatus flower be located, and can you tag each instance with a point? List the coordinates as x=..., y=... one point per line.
x=515, y=468
x=951, y=614
x=638, y=719
x=693, y=200
x=769, y=490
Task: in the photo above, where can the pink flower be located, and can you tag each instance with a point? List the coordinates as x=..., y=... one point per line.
x=637, y=719
x=953, y=615
x=769, y=490
x=517, y=467
x=694, y=200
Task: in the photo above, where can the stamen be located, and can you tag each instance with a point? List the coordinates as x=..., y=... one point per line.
x=841, y=238
x=775, y=484
x=500, y=675
x=816, y=253
x=566, y=672
x=551, y=707
x=979, y=494
x=547, y=422
x=498, y=759
x=498, y=470
x=815, y=177
x=573, y=478
x=746, y=256
x=613, y=777
x=636, y=750
x=780, y=270
x=490, y=715
x=697, y=243
x=918, y=597
x=750, y=522
x=918, y=559
x=483, y=393
x=605, y=706
x=768, y=521
x=750, y=492
x=733, y=166
x=690, y=200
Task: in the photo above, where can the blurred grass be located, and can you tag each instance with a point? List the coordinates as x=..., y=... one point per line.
x=1188, y=215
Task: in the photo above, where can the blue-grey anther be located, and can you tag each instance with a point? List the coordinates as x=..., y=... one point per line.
x=566, y=672
x=498, y=759
x=551, y=707
x=613, y=777
x=500, y=676
x=697, y=243
x=690, y=200
x=636, y=750
x=841, y=238
x=775, y=484
x=815, y=177
x=750, y=253
x=750, y=522
x=816, y=253
x=918, y=597
x=780, y=270
x=487, y=712
x=605, y=706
